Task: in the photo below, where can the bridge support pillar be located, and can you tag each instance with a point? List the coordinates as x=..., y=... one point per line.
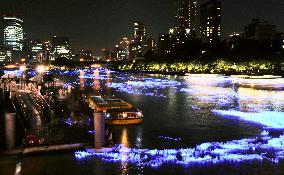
x=10, y=127
x=99, y=126
x=7, y=95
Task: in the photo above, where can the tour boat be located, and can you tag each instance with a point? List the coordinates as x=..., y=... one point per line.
x=123, y=116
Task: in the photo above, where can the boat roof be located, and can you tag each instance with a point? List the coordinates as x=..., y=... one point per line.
x=102, y=104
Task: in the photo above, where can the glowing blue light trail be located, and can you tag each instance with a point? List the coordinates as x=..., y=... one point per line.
x=260, y=148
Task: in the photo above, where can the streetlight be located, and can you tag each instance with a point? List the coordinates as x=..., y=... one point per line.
x=23, y=68
x=40, y=69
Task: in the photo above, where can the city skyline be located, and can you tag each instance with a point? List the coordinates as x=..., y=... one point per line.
x=111, y=20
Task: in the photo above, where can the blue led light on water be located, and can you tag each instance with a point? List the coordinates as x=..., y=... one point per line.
x=169, y=138
x=91, y=132
x=144, y=86
x=69, y=121
x=262, y=147
x=13, y=72
x=206, y=153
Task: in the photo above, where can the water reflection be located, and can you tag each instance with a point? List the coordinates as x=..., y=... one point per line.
x=96, y=78
x=108, y=81
x=124, y=155
x=220, y=92
x=252, y=100
x=138, y=141
x=82, y=80
x=124, y=137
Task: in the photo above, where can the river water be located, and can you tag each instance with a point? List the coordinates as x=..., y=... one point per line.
x=178, y=114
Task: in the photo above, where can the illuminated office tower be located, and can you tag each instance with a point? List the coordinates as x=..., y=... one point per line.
x=5, y=55
x=37, y=51
x=137, y=45
x=139, y=32
x=124, y=44
x=13, y=34
x=192, y=20
x=181, y=16
x=185, y=18
x=85, y=55
x=119, y=53
x=61, y=47
x=47, y=50
x=210, y=21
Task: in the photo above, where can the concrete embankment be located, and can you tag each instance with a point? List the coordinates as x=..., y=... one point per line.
x=44, y=149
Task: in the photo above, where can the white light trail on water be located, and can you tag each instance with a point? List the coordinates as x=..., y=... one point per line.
x=269, y=119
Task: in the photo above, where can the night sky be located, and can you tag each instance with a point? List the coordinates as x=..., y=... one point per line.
x=97, y=24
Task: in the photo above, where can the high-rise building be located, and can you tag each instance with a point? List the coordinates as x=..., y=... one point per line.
x=210, y=21
x=139, y=32
x=37, y=51
x=192, y=20
x=106, y=55
x=260, y=31
x=137, y=45
x=164, y=45
x=13, y=34
x=186, y=19
x=118, y=53
x=124, y=44
x=5, y=54
x=61, y=47
x=181, y=16
x=135, y=49
x=278, y=42
x=47, y=47
x=150, y=44
x=85, y=55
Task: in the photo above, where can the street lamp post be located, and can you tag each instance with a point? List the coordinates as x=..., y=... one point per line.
x=23, y=69
x=40, y=69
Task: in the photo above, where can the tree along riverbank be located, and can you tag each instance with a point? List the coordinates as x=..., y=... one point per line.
x=216, y=67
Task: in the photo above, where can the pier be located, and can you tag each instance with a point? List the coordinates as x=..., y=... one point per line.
x=36, y=117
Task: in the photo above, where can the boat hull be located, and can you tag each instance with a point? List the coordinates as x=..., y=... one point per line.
x=124, y=121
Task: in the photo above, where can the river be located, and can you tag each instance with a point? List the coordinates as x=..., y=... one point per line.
x=178, y=114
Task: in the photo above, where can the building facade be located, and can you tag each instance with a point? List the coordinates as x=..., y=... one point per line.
x=124, y=44
x=37, y=51
x=139, y=32
x=181, y=16
x=193, y=20
x=13, y=34
x=186, y=17
x=137, y=44
x=61, y=48
x=210, y=21
x=85, y=55
x=164, y=45
x=5, y=55
x=260, y=31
